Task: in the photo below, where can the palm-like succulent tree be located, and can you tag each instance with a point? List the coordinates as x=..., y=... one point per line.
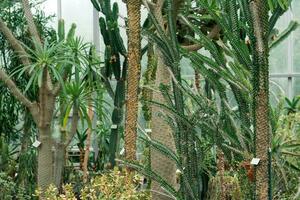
x=49, y=66
x=39, y=66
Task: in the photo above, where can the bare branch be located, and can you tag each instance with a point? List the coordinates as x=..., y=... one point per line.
x=159, y=4
x=29, y=18
x=15, y=90
x=17, y=47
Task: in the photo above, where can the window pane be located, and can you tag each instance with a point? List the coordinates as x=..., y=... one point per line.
x=50, y=8
x=186, y=68
x=296, y=86
x=278, y=58
x=279, y=55
x=296, y=34
x=278, y=88
x=79, y=12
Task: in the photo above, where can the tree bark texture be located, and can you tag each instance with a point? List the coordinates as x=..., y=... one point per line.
x=259, y=13
x=161, y=131
x=134, y=68
x=44, y=122
x=87, y=146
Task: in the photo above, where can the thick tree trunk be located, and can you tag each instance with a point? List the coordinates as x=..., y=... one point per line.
x=44, y=121
x=45, y=159
x=134, y=68
x=161, y=131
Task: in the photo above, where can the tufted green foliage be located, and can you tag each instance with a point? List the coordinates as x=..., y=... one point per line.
x=231, y=185
x=115, y=184
x=9, y=190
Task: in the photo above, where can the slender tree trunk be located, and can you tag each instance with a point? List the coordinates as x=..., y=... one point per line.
x=134, y=68
x=61, y=147
x=59, y=163
x=87, y=146
x=60, y=152
x=81, y=158
x=221, y=171
x=259, y=11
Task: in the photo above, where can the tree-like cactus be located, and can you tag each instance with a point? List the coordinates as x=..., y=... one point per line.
x=114, y=49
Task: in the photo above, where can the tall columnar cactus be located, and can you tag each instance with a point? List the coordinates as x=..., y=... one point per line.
x=241, y=96
x=134, y=69
x=114, y=49
x=260, y=21
x=148, y=81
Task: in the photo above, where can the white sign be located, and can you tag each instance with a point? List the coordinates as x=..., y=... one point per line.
x=254, y=161
x=148, y=130
x=122, y=151
x=36, y=144
x=114, y=126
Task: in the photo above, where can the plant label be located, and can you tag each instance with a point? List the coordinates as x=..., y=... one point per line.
x=148, y=130
x=122, y=151
x=114, y=126
x=254, y=161
x=36, y=144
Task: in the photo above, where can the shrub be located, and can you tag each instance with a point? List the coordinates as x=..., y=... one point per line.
x=9, y=190
x=114, y=185
x=231, y=185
